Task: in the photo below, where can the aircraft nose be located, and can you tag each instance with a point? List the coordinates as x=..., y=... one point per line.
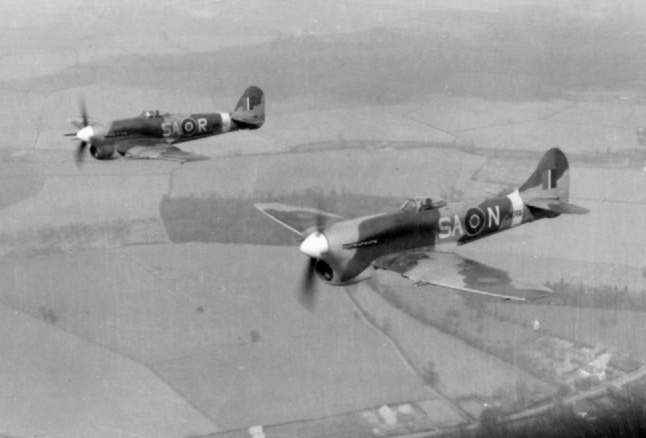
x=315, y=245
x=86, y=134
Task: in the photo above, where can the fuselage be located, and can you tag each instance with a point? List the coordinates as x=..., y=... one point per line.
x=356, y=243
x=158, y=129
x=152, y=129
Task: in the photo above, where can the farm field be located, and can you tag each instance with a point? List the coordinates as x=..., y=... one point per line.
x=418, y=172
x=612, y=329
x=151, y=299
x=142, y=310
x=97, y=393
x=237, y=346
x=462, y=370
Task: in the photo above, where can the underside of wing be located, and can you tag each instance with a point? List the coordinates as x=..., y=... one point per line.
x=167, y=152
x=453, y=271
x=297, y=219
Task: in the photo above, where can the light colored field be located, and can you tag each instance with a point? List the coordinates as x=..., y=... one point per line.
x=384, y=124
x=56, y=384
x=459, y=115
x=624, y=115
x=21, y=117
x=37, y=63
x=188, y=311
x=36, y=242
x=542, y=135
x=462, y=370
x=380, y=172
x=576, y=248
x=19, y=181
x=598, y=327
x=612, y=186
x=87, y=198
x=536, y=125
x=234, y=145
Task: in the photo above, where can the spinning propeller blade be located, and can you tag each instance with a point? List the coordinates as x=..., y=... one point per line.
x=83, y=110
x=80, y=151
x=307, y=294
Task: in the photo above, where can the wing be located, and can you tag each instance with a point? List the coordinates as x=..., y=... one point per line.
x=453, y=271
x=297, y=219
x=166, y=152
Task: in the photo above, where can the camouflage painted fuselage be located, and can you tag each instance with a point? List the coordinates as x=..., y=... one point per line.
x=356, y=243
x=153, y=134
x=121, y=135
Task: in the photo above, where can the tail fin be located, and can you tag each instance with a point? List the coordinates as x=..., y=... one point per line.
x=548, y=188
x=250, y=109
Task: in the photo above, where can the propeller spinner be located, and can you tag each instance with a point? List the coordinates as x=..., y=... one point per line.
x=85, y=134
x=315, y=246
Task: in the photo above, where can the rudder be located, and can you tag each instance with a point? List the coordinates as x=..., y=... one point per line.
x=250, y=109
x=551, y=175
x=548, y=187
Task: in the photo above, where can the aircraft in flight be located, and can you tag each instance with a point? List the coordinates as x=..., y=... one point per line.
x=153, y=135
x=418, y=240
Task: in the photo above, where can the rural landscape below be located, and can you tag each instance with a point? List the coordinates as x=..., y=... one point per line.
x=150, y=298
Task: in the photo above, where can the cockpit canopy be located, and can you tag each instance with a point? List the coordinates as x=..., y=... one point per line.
x=150, y=114
x=421, y=204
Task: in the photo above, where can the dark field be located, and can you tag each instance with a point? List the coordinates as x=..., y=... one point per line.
x=521, y=53
x=233, y=220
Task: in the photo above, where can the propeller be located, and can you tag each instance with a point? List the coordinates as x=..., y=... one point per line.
x=84, y=133
x=307, y=295
x=315, y=245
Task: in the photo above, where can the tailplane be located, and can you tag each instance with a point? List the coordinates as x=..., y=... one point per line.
x=250, y=109
x=548, y=188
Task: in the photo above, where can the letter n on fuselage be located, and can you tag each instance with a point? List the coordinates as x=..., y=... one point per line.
x=494, y=216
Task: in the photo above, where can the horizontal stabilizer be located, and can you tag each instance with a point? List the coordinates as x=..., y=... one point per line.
x=556, y=206
x=248, y=119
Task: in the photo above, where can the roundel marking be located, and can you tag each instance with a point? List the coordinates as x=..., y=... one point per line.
x=189, y=126
x=474, y=221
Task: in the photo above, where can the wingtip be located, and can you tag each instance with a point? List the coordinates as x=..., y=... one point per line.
x=260, y=206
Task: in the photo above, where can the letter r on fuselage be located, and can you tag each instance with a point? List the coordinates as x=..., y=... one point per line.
x=201, y=125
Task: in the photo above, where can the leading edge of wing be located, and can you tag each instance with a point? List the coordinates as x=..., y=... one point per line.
x=296, y=219
x=453, y=271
